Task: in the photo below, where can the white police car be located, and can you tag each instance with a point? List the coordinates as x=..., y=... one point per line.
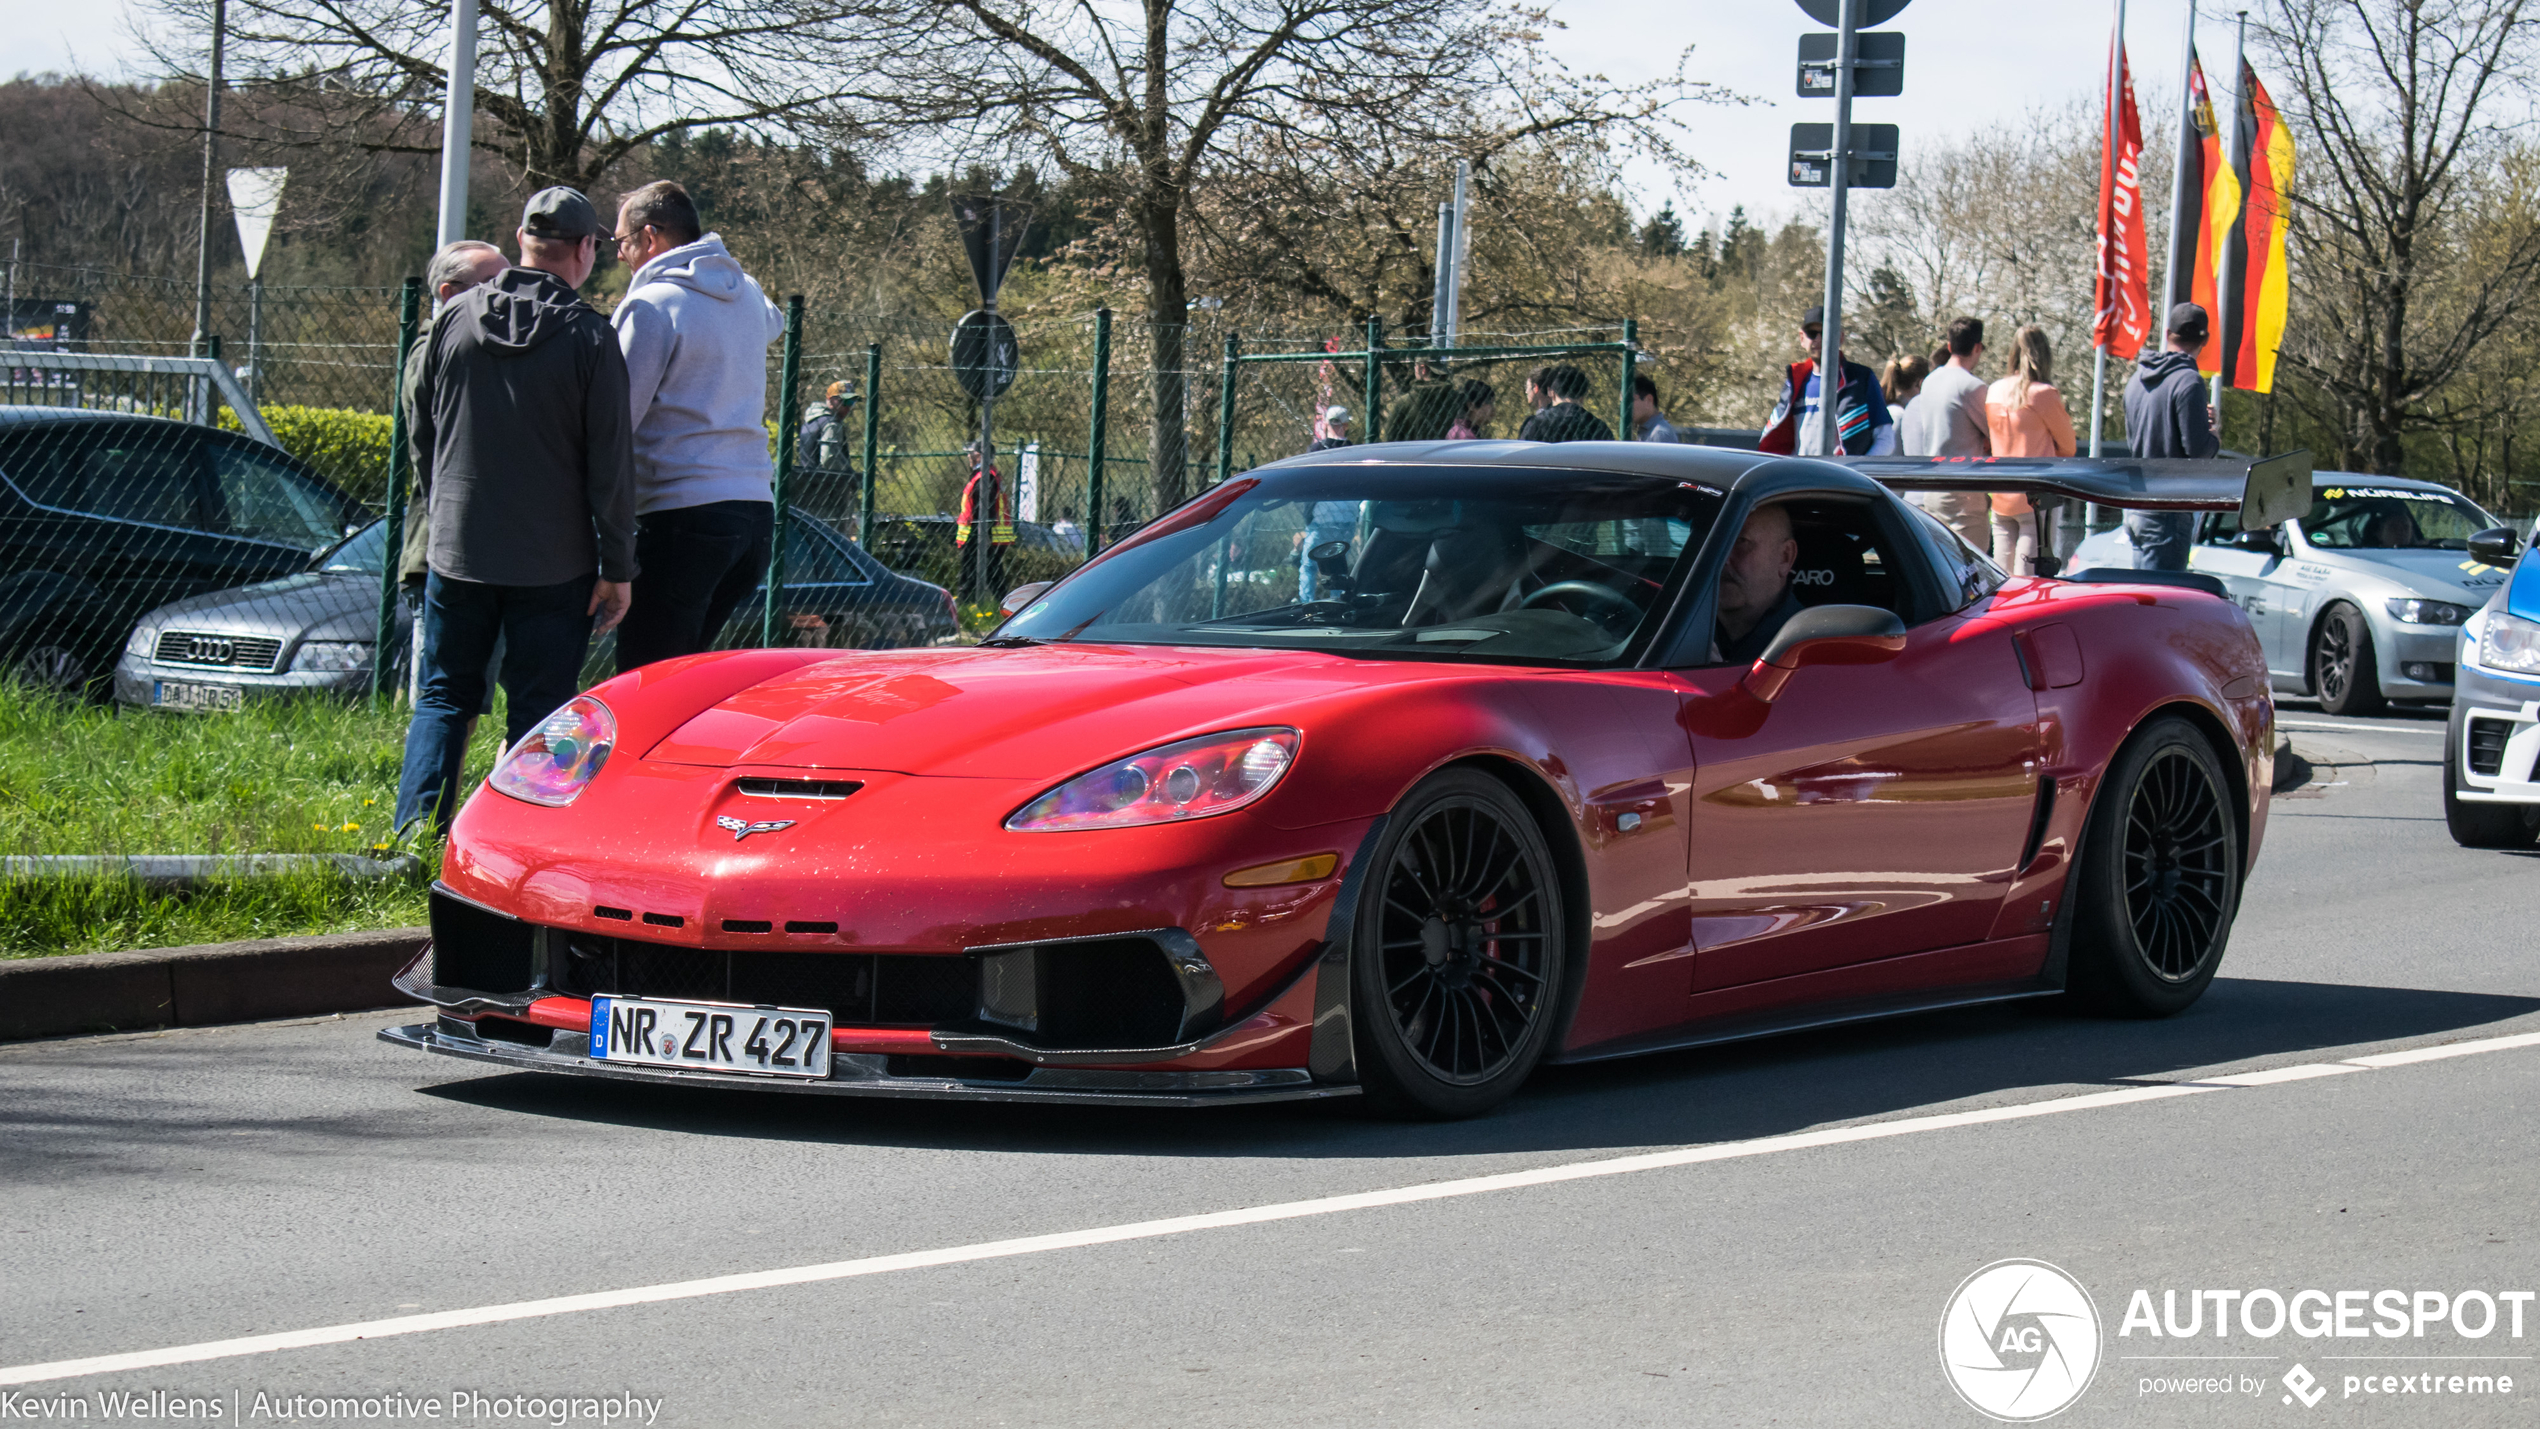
x=2491, y=792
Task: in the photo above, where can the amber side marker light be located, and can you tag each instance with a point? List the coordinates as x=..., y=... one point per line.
x=1286, y=870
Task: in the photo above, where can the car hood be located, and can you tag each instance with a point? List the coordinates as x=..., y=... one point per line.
x=2437, y=575
x=317, y=605
x=1037, y=712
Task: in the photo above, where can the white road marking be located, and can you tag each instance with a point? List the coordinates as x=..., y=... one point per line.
x=1218, y=1220
x=2320, y=727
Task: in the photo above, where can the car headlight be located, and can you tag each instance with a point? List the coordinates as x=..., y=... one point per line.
x=324, y=655
x=553, y=762
x=1213, y=774
x=2427, y=612
x=140, y=642
x=2509, y=643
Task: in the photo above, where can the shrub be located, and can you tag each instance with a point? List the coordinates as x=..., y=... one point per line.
x=347, y=447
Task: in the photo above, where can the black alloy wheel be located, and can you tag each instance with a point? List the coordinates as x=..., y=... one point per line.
x=1457, y=971
x=2158, y=878
x=2344, y=673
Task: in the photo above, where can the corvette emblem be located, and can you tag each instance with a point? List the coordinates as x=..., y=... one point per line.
x=743, y=828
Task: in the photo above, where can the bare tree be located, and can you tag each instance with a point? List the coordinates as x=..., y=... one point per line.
x=2416, y=238
x=564, y=88
x=1153, y=98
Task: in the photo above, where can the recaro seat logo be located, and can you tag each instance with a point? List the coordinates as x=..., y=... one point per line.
x=2019, y=1341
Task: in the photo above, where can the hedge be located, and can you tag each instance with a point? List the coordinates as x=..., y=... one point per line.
x=347, y=447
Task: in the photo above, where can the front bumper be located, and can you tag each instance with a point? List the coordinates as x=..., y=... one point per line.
x=2416, y=661
x=2495, y=729
x=136, y=674
x=871, y=1075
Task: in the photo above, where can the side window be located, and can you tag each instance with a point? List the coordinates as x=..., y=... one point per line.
x=265, y=500
x=127, y=471
x=811, y=560
x=1966, y=574
x=2221, y=527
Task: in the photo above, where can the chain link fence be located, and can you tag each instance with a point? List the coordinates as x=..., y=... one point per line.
x=196, y=533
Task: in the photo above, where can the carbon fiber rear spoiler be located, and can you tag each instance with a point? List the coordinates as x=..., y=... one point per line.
x=2263, y=492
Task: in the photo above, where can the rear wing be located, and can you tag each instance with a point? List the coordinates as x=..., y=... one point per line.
x=2264, y=492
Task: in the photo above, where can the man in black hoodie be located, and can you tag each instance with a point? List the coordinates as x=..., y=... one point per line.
x=523, y=436
x=2167, y=415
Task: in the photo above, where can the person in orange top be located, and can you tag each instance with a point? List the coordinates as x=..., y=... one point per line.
x=2027, y=418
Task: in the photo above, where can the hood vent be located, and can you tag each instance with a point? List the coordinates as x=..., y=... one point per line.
x=799, y=788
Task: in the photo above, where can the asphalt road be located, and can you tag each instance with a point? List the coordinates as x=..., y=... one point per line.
x=196, y=1186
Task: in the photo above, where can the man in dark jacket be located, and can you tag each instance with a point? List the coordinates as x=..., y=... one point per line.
x=523, y=434
x=2167, y=415
x=1555, y=391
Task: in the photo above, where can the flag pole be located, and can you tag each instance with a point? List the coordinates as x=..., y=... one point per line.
x=2227, y=292
x=2108, y=158
x=2178, y=293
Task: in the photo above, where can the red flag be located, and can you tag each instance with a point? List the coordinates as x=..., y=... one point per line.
x=2124, y=299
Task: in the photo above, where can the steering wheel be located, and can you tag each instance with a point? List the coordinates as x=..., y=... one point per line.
x=1611, y=601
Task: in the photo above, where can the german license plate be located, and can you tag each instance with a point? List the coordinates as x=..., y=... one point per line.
x=711, y=1036
x=177, y=695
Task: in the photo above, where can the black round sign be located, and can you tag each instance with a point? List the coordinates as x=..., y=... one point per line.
x=984, y=354
x=1868, y=12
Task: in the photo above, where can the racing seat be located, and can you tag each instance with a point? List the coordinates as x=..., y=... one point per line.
x=1839, y=560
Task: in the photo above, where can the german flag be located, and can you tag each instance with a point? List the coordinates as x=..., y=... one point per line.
x=2253, y=258
x=2212, y=201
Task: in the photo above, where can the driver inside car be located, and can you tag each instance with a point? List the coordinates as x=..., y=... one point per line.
x=2393, y=529
x=1755, y=595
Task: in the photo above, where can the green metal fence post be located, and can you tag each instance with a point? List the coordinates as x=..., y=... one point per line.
x=788, y=375
x=1226, y=408
x=1374, y=426
x=872, y=443
x=1623, y=411
x=409, y=315
x=1101, y=431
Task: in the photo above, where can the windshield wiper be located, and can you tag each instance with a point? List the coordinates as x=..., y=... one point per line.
x=1008, y=642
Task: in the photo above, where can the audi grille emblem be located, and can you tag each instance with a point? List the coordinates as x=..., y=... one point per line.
x=208, y=650
x=743, y=828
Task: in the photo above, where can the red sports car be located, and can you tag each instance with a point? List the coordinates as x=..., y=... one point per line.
x=1391, y=771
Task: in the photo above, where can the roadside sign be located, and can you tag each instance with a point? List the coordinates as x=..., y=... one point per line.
x=991, y=233
x=984, y=354
x=1878, y=65
x=1865, y=12
x=255, y=196
x=1873, y=156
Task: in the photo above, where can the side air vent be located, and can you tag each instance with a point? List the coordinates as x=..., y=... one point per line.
x=746, y=925
x=809, y=927
x=623, y=915
x=665, y=920
x=799, y=788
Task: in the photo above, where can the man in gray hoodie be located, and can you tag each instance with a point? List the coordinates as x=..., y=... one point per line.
x=695, y=330
x=2167, y=415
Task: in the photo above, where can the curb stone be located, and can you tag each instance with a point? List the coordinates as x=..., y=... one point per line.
x=205, y=984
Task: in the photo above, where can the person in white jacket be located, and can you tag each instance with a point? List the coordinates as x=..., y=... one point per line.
x=695, y=330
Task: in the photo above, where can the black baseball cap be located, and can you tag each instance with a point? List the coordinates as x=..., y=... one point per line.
x=1814, y=317
x=560, y=213
x=2188, y=320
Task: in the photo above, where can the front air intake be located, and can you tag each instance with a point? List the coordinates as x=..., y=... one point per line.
x=2487, y=746
x=477, y=948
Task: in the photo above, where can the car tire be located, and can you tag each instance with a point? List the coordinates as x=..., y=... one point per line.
x=51, y=667
x=1458, y=953
x=2344, y=673
x=2481, y=825
x=2158, y=880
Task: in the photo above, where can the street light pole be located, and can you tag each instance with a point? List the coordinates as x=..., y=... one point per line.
x=211, y=175
x=458, y=123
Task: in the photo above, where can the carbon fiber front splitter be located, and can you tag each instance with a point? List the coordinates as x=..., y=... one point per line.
x=860, y=1075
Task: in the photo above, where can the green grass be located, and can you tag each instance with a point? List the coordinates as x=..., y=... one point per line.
x=296, y=776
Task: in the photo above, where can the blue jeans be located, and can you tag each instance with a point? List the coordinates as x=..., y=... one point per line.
x=545, y=631
x=1305, y=571
x=2161, y=539
x=693, y=564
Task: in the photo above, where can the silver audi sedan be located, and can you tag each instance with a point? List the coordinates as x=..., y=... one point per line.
x=2357, y=603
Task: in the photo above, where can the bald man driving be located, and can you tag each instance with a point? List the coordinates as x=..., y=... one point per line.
x=1755, y=596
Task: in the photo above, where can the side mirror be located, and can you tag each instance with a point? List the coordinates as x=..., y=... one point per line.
x=2266, y=542
x=1825, y=635
x=2498, y=546
x=1023, y=595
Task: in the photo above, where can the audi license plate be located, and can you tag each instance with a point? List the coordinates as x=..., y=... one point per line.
x=177, y=695
x=711, y=1036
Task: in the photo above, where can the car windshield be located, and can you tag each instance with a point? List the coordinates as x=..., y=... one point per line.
x=1524, y=566
x=2391, y=518
x=360, y=552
